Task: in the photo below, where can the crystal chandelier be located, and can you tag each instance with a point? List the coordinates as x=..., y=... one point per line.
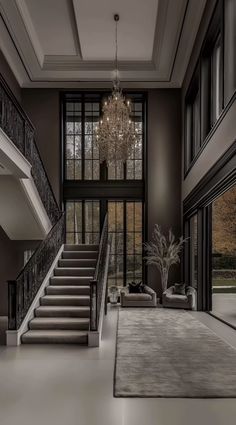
x=115, y=134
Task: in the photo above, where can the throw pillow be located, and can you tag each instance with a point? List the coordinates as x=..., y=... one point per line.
x=180, y=289
x=135, y=287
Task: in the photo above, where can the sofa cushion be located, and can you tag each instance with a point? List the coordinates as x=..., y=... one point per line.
x=177, y=298
x=136, y=287
x=138, y=297
x=179, y=289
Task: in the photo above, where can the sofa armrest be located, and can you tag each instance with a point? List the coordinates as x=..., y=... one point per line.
x=148, y=290
x=123, y=293
x=151, y=292
x=169, y=291
x=191, y=295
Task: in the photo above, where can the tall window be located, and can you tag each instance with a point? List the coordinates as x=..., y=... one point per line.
x=82, y=113
x=91, y=189
x=193, y=252
x=192, y=120
x=126, y=230
x=216, y=80
x=204, y=98
x=224, y=256
x=82, y=222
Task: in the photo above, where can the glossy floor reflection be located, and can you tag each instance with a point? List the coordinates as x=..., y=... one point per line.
x=69, y=385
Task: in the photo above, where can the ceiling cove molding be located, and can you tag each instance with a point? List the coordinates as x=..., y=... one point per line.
x=188, y=37
x=30, y=30
x=11, y=54
x=74, y=63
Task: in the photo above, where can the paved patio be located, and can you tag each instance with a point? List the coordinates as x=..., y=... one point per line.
x=224, y=307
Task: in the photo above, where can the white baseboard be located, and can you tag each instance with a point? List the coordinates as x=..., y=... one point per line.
x=13, y=338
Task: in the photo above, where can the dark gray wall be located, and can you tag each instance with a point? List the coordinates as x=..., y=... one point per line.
x=43, y=108
x=164, y=154
x=9, y=77
x=164, y=169
x=11, y=262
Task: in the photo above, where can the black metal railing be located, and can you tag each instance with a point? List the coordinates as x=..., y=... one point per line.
x=15, y=123
x=97, y=285
x=22, y=291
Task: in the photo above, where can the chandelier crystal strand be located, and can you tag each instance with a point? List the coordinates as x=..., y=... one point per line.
x=115, y=135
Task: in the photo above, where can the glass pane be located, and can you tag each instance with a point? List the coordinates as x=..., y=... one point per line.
x=88, y=172
x=96, y=216
x=77, y=146
x=138, y=170
x=78, y=170
x=138, y=243
x=70, y=147
x=70, y=216
x=70, y=238
x=70, y=169
x=130, y=266
x=138, y=216
x=130, y=243
x=78, y=217
x=78, y=238
x=224, y=256
x=88, y=216
x=119, y=216
x=96, y=170
x=130, y=216
x=88, y=147
x=130, y=170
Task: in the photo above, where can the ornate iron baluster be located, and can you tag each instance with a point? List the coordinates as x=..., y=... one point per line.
x=22, y=291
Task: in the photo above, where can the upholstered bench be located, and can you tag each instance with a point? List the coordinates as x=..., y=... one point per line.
x=145, y=299
x=172, y=300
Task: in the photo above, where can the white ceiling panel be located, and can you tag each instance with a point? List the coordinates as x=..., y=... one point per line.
x=96, y=28
x=71, y=43
x=51, y=20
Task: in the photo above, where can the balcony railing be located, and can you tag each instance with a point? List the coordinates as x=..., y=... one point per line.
x=15, y=123
x=22, y=291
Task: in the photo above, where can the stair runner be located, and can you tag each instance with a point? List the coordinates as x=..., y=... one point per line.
x=64, y=311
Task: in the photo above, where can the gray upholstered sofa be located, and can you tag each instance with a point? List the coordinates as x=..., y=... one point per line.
x=145, y=299
x=187, y=301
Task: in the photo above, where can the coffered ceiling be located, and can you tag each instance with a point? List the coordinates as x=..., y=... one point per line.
x=70, y=43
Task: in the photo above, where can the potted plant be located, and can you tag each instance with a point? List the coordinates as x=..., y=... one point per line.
x=113, y=294
x=163, y=252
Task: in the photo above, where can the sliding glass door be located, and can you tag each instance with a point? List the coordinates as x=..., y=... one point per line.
x=224, y=256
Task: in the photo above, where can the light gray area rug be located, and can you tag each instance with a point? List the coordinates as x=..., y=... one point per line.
x=167, y=353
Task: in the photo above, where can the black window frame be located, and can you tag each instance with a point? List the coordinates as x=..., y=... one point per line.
x=202, y=78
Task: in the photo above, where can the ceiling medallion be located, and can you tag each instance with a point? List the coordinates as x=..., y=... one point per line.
x=115, y=133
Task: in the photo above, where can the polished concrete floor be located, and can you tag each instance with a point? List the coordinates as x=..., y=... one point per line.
x=224, y=307
x=71, y=385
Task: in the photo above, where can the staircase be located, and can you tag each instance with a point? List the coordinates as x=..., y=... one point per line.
x=63, y=316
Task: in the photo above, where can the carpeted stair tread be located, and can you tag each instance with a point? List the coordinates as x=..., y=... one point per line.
x=71, y=280
x=52, y=323
x=74, y=271
x=83, y=247
x=79, y=255
x=68, y=290
x=62, y=311
x=70, y=300
x=55, y=337
x=84, y=262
